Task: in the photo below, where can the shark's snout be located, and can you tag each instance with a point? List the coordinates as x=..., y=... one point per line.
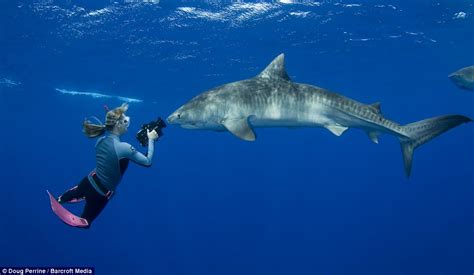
x=453, y=75
x=174, y=118
x=171, y=119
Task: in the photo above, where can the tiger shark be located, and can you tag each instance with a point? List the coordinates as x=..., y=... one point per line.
x=464, y=78
x=271, y=99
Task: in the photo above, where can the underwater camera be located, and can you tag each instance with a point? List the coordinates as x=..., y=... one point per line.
x=156, y=125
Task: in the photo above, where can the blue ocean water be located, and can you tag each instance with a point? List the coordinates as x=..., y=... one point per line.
x=295, y=201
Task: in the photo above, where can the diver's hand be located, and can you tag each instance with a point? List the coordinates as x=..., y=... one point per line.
x=153, y=135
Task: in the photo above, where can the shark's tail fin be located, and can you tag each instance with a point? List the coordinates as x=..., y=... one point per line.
x=419, y=133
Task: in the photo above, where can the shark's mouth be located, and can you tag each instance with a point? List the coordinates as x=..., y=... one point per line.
x=189, y=126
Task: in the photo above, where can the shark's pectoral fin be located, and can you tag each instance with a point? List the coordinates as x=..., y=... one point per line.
x=240, y=127
x=374, y=136
x=336, y=129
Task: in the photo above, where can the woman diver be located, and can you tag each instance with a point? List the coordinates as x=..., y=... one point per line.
x=112, y=158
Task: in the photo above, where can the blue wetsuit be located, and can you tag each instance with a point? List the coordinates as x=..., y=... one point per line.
x=112, y=157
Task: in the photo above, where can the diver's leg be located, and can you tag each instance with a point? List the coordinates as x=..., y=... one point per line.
x=74, y=194
x=95, y=203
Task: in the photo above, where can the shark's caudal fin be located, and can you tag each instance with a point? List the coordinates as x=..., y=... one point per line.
x=419, y=133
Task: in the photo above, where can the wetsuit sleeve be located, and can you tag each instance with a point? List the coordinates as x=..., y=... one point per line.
x=128, y=151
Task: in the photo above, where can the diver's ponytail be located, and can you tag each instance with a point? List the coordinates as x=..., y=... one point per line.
x=93, y=130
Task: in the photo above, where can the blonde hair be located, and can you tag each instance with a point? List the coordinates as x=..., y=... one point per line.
x=93, y=130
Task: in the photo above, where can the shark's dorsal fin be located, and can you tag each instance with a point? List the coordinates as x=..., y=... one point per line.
x=376, y=107
x=240, y=127
x=276, y=69
x=336, y=129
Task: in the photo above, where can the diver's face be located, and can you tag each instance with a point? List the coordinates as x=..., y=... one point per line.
x=123, y=123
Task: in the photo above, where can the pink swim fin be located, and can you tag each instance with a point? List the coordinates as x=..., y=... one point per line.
x=66, y=216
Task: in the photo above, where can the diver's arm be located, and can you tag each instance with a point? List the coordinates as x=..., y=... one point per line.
x=138, y=157
x=141, y=159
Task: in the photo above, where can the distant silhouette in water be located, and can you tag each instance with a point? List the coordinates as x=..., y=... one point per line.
x=464, y=78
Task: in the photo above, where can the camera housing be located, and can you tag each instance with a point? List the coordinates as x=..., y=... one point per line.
x=156, y=125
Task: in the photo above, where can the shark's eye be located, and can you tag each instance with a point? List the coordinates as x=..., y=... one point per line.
x=179, y=115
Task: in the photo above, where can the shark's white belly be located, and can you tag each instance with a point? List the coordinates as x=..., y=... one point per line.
x=307, y=115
